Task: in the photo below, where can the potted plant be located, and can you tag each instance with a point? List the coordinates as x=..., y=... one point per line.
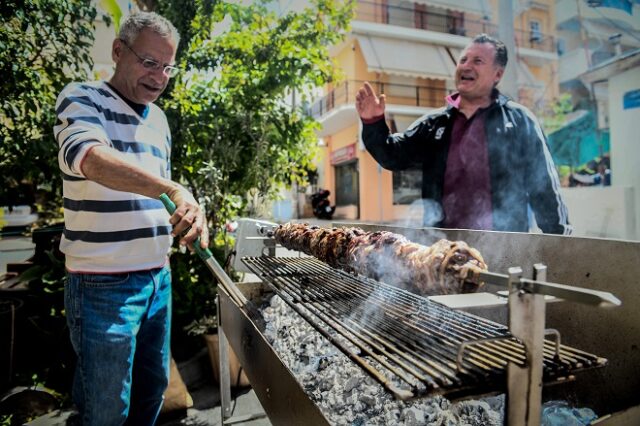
x=207, y=327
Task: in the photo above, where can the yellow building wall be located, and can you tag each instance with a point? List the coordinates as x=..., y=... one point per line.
x=373, y=186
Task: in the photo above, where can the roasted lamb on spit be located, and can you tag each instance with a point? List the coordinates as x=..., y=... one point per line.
x=442, y=268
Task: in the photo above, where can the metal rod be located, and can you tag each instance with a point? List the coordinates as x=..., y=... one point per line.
x=399, y=393
x=597, y=298
x=601, y=299
x=411, y=339
x=223, y=365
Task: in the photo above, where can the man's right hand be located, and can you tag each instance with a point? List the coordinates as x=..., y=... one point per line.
x=189, y=216
x=368, y=104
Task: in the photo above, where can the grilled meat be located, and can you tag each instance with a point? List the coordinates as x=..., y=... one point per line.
x=442, y=268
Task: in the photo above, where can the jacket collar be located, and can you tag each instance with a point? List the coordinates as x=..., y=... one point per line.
x=453, y=100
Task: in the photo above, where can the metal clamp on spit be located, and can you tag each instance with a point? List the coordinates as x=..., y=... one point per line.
x=267, y=231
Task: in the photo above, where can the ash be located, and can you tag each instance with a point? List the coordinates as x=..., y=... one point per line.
x=346, y=394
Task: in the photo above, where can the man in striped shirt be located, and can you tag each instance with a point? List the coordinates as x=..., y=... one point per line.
x=114, y=154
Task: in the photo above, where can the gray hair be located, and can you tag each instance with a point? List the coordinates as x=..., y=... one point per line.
x=135, y=23
x=501, y=50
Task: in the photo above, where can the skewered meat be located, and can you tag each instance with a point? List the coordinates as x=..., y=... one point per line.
x=442, y=268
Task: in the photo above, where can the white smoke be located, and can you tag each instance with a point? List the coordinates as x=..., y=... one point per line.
x=422, y=213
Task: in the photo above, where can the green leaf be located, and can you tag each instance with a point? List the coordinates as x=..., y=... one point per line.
x=113, y=9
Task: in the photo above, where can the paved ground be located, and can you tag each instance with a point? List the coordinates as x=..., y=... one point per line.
x=206, y=397
x=247, y=403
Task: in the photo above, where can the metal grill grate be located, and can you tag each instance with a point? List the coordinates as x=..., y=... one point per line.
x=412, y=346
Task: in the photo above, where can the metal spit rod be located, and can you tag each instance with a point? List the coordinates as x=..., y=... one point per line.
x=597, y=298
x=601, y=299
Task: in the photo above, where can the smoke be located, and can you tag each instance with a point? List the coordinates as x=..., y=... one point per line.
x=367, y=313
x=433, y=213
x=422, y=212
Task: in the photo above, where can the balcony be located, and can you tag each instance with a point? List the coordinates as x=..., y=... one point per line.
x=450, y=22
x=396, y=95
x=569, y=14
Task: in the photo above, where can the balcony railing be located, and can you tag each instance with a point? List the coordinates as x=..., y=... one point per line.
x=396, y=94
x=452, y=22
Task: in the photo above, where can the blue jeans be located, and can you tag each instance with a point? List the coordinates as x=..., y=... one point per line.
x=120, y=330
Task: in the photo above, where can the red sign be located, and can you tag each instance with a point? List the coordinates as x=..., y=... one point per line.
x=343, y=154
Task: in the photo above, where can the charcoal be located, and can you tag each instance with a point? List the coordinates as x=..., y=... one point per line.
x=347, y=395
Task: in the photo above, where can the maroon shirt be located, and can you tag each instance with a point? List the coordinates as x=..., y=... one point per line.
x=466, y=195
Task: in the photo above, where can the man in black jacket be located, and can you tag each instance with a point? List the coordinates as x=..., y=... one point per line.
x=484, y=157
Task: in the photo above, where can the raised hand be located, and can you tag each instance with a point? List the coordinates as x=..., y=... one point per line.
x=368, y=104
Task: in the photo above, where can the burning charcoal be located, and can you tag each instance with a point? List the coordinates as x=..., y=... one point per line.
x=476, y=413
x=414, y=417
x=367, y=399
x=392, y=416
x=351, y=383
x=346, y=395
x=445, y=404
x=359, y=407
x=325, y=385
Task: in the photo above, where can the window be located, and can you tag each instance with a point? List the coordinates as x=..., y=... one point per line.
x=400, y=87
x=535, y=33
x=400, y=13
x=347, y=184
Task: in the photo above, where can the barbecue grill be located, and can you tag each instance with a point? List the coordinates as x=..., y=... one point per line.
x=412, y=346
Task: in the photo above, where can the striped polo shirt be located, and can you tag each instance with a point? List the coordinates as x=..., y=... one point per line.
x=108, y=231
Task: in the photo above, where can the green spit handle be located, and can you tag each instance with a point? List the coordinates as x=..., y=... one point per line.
x=204, y=253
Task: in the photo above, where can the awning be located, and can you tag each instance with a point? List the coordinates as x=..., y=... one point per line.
x=477, y=7
x=407, y=58
x=577, y=142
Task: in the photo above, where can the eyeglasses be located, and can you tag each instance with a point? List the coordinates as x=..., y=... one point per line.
x=169, y=70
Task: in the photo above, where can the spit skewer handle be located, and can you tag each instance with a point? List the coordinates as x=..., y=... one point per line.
x=204, y=253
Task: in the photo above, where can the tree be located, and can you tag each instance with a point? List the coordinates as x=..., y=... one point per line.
x=556, y=115
x=237, y=132
x=235, y=127
x=43, y=46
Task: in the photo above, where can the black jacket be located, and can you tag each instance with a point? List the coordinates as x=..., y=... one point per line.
x=521, y=168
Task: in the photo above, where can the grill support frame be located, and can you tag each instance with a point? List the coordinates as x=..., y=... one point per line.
x=521, y=412
x=526, y=322
x=281, y=396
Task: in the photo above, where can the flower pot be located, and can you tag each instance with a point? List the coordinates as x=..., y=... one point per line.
x=237, y=377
